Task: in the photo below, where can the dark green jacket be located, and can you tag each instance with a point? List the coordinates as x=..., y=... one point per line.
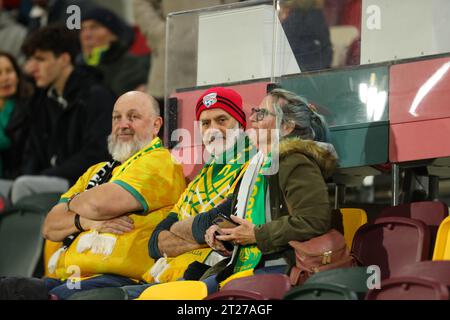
x=304, y=165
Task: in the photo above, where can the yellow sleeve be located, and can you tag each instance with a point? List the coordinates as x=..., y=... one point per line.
x=156, y=181
x=82, y=182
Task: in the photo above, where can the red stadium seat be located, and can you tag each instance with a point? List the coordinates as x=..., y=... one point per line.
x=235, y=295
x=391, y=243
x=432, y=213
x=270, y=286
x=409, y=288
x=435, y=270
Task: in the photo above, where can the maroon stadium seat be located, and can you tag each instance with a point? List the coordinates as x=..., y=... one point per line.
x=409, y=288
x=270, y=286
x=432, y=213
x=235, y=295
x=435, y=270
x=391, y=243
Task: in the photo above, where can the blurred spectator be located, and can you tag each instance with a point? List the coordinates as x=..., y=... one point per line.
x=70, y=115
x=105, y=40
x=351, y=15
x=15, y=93
x=46, y=12
x=12, y=34
x=308, y=34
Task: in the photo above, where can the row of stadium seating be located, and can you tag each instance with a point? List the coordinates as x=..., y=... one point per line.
x=409, y=243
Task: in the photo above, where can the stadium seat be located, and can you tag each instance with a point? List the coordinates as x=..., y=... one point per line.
x=354, y=279
x=270, y=286
x=177, y=290
x=235, y=295
x=391, y=243
x=435, y=270
x=321, y=291
x=409, y=288
x=432, y=213
x=20, y=242
x=352, y=218
x=442, y=246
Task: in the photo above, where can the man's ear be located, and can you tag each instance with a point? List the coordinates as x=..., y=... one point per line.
x=65, y=58
x=157, y=124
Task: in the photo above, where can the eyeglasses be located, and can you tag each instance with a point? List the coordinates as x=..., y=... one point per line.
x=261, y=113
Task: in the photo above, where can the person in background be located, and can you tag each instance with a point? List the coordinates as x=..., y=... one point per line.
x=105, y=41
x=41, y=13
x=308, y=33
x=12, y=33
x=69, y=116
x=15, y=94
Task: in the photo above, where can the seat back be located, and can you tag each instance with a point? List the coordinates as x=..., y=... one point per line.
x=235, y=295
x=391, y=243
x=442, y=245
x=20, y=242
x=354, y=278
x=432, y=213
x=352, y=219
x=177, y=290
x=321, y=291
x=409, y=288
x=270, y=286
x=436, y=270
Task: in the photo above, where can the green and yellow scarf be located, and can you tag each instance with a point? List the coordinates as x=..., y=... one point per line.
x=249, y=256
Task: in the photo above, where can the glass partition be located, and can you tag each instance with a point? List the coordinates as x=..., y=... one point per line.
x=222, y=44
x=347, y=96
x=336, y=53
x=271, y=39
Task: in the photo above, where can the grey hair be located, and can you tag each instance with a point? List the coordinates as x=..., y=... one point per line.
x=155, y=106
x=291, y=108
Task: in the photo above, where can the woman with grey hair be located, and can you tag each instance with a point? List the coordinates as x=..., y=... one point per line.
x=291, y=204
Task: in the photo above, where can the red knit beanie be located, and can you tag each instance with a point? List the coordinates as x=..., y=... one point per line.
x=222, y=98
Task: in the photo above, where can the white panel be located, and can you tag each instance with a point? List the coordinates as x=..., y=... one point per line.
x=236, y=45
x=408, y=28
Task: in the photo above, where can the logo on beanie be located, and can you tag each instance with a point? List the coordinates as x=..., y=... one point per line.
x=210, y=99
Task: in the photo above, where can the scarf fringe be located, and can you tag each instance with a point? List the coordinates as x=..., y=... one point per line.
x=96, y=243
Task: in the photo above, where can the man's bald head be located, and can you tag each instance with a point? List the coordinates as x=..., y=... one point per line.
x=138, y=98
x=135, y=123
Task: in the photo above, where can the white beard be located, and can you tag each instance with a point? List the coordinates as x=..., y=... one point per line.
x=220, y=144
x=122, y=151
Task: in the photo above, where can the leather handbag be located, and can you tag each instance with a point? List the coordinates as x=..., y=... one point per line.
x=325, y=252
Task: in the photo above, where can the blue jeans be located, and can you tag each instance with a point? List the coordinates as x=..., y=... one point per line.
x=213, y=285
x=63, y=290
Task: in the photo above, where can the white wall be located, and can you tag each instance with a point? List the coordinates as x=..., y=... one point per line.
x=237, y=45
x=397, y=29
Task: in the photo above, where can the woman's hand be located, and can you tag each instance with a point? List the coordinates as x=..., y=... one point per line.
x=117, y=226
x=243, y=234
x=211, y=240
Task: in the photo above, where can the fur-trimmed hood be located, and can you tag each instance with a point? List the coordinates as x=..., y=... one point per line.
x=322, y=153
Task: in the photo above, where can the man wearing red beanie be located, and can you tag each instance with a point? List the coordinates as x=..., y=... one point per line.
x=222, y=120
